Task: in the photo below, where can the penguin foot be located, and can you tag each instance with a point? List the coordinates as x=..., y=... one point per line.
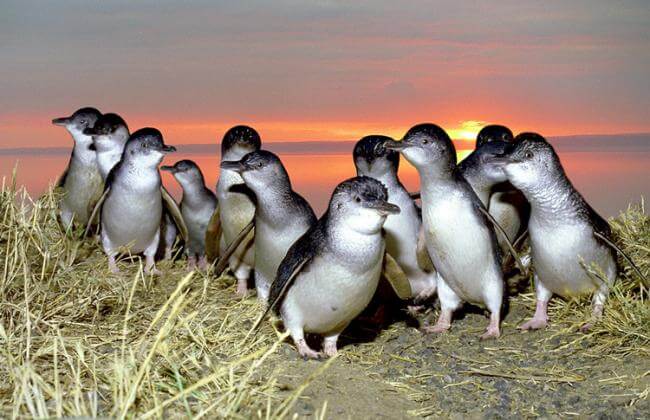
x=152, y=271
x=203, y=263
x=330, y=349
x=168, y=253
x=242, y=288
x=535, y=323
x=191, y=263
x=596, y=315
x=491, y=332
x=306, y=352
x=415, y=310
x=112, y=266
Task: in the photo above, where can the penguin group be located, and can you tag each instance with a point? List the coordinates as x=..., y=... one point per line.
x=458, y=238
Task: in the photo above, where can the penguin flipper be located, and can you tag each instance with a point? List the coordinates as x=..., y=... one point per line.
x=422, y=254
x=60, y=181
x=505, y=236
x=396, y=276
x=213, y=236
x=175, y=213
x=627, y=258
x=298, y=256
x=232, y=247
x=94, y=216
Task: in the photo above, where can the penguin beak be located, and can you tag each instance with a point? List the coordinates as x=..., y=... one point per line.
x=233, y=165
x=168, y=149
x=167, y=168
x=383, y=207
x=500, y=160
x=396, y=145
x=61, y=121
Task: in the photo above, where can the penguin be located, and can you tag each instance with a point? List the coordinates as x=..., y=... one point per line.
x=197, y=205
x=372, y=159
x=459, y=237
x=81, y=181
x=109, y=135
x=567, y=237
x=506, y=204
x=281, y=214
x=131, y=208
x=330, y=273
x=236, y=204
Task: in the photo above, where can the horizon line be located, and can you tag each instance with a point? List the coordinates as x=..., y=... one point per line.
x=336, y=146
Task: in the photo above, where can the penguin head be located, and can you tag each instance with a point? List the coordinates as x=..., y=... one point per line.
x=361, y=203
x=259, y=169
x=494, y=132
x=238, y=141
x=531, y=163
x=146, y=148
x=185, y=171
x=481, y=162
x=427, y=146
x=79, y=121
x=373, y=159
x=109, y=132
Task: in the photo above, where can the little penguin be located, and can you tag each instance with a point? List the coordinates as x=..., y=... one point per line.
x=281, y=214
x=372, y=159
x=81, y=181
x=506, y=204
x=109, y=135
x=236, y=202
x=197, y=205
x=330, y=273
x=460, y=239
x=567, y=236
x=131, y=208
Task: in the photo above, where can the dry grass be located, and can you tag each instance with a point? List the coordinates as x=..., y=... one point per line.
x=76, y=340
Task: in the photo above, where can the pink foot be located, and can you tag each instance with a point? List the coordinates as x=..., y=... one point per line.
x=596, y=315
x=112, y=266
x=415, y=310
x=491, y=332
x=152, y=270
x=535, y=323
x=203, y=263
x=191, y=263
x=443, y=325
x=329, y=348
x=242, y=288
x=306, y=352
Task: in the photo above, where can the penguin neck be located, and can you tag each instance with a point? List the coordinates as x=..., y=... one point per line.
x=389, y=179
x=432, y=178
x=273, y=200
x=481, y=187
x=81, y=152
x=194, y=193
x=140, y=177
x=360, y=250
x=554, y=199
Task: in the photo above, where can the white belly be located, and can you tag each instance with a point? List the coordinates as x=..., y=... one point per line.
x=327, y=296
x=197, y=223
x=557, y=253
x=460, y=247
x=271, y=246
x=131, y=219
x=83, y=187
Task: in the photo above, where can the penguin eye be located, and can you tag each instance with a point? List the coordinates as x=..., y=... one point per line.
x=357, y=199
x=260, y=164
x=82, y=122
x=425, y=141
x=528, y=155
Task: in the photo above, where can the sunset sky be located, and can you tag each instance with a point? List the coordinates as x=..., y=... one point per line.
x=325, y=70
